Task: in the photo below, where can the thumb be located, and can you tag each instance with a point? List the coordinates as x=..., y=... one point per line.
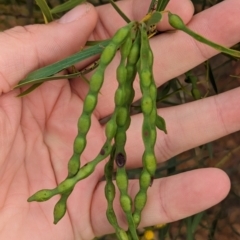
x=24, y=49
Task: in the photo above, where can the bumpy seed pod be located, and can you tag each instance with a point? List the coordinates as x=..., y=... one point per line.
x=43, y=195
x=123, y=122
x=148, y=106
x=175, y=21
x=91, y=99
x=141, y=197
x=60, y=207
x=132, y=67
x=110, y=195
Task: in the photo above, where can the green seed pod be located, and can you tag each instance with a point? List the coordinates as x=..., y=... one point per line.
x=111, y=128
x=122, y=235
x=146, y=104
x=146, y=78
x=108, y=54
x=119, y=97
x=150, y=162
x=122, y=181
x=89, y=103
x=126, y=47
x=110, y=194
x=126, y=203
x=60, y=208
x=73, y=165
x=110, y=191
x=175, y=21
x=66, y=186
x=134, y=52
x=137, y=217
x=122, y=116
x=121, y=35
x=153, y=91
x=87, y=169
x=145, y=179
x=42, y=195
x=84, y=123
x=97, y=80
x=120, y=138
x=153, y=135
x=140, y=200
x=121, y=74
x=79, y=144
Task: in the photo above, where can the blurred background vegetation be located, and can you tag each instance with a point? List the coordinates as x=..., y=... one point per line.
x=221, y=222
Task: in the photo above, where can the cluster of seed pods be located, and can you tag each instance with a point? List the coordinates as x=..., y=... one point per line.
x=136, y=58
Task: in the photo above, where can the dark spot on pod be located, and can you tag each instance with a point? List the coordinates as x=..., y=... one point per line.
x=146, y=133
x=120, y=160
x=102, y=152
x=151, y=182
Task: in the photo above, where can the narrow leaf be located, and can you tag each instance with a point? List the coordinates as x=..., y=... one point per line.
x=162, y=5
x=30, y=89
x=63, y=64
x=152, y=6
x=119, y=11
x=66, y=6
x=45, y=10
x=196, y=221
x=211, y=76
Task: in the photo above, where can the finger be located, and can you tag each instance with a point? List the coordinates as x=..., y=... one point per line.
x=169, y=199
x=136, y=10
x=105, y=29
x=24, y=49
x=176, y=52
x=189, y=125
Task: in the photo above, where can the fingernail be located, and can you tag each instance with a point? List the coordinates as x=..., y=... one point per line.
x=75, y=14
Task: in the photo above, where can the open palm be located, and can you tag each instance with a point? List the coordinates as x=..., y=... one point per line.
x=37, y=131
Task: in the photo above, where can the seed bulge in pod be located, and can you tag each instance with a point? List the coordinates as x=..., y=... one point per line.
x=140, y=200
x=119, y=97
x=110, y=191
x=79, y=144
x=122, y=180
x=66, y=185
x=89, y=103
x=96, y=80
x=84, y=123
x=146, y=78
x=121, y=35
x=108, y=54
x=122, y=115
x=175, y=21
x=145, y=179
x=146, y=104
x=150, y=163
x=126, y=203
x=59, y=210
x=110, y=129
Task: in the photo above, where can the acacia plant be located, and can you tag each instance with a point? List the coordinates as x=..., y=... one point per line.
x=137, y=58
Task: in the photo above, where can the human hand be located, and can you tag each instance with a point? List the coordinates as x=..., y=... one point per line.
x=37, y=131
